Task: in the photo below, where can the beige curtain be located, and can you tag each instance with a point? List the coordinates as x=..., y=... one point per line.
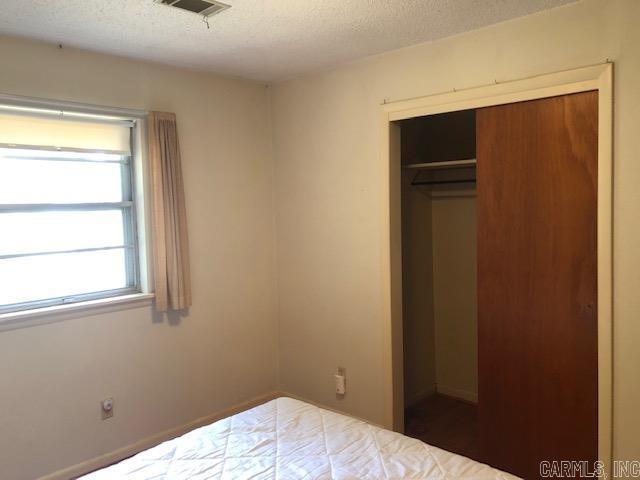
x=170, y=241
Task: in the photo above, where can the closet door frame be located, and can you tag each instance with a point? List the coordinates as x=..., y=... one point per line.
x=596, y=77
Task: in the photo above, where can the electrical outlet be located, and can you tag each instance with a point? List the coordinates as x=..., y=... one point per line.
x=107, y=408
x=341, y=382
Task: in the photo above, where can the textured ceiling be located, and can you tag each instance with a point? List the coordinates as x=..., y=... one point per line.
x=264, y=40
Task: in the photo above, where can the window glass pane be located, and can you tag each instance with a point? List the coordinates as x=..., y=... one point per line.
x=24, y=279
x=26, y=179
x=32, y=232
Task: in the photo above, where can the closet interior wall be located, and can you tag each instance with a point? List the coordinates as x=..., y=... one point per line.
x=454, y=293
x=419, y=347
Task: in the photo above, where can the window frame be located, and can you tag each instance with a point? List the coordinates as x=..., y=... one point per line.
x=130, y=206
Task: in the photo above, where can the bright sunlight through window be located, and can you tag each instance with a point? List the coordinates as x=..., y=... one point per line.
x=67, y=220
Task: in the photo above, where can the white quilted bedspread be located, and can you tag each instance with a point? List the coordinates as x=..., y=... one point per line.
x=290, y=439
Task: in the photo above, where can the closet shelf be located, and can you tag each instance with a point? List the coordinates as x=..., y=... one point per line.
x=440, y=174
x=436, y=165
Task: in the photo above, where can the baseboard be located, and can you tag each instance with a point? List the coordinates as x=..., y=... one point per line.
x=148, y=442
x=465, y=395
x=419, y=396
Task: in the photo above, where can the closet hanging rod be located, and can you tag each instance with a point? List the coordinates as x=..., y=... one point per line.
x=447, y=164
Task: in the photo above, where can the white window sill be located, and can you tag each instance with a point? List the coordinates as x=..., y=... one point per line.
x=37, y=316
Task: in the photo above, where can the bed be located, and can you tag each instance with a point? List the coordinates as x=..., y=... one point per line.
x=290, y=439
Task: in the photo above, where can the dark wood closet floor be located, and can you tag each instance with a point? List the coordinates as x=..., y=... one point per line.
x=446, y=423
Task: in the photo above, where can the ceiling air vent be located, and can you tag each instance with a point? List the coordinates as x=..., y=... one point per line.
x=207, y=8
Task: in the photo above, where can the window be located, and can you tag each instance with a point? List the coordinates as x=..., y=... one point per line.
x=67, y=211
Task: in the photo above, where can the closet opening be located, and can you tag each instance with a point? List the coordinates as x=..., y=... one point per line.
x=439, y=268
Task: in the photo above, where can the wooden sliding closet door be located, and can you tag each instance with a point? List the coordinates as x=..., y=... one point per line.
x=537, y=324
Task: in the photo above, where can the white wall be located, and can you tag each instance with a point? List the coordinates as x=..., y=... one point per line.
x=162, y=373
x=454, y=296
x=329, y=175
